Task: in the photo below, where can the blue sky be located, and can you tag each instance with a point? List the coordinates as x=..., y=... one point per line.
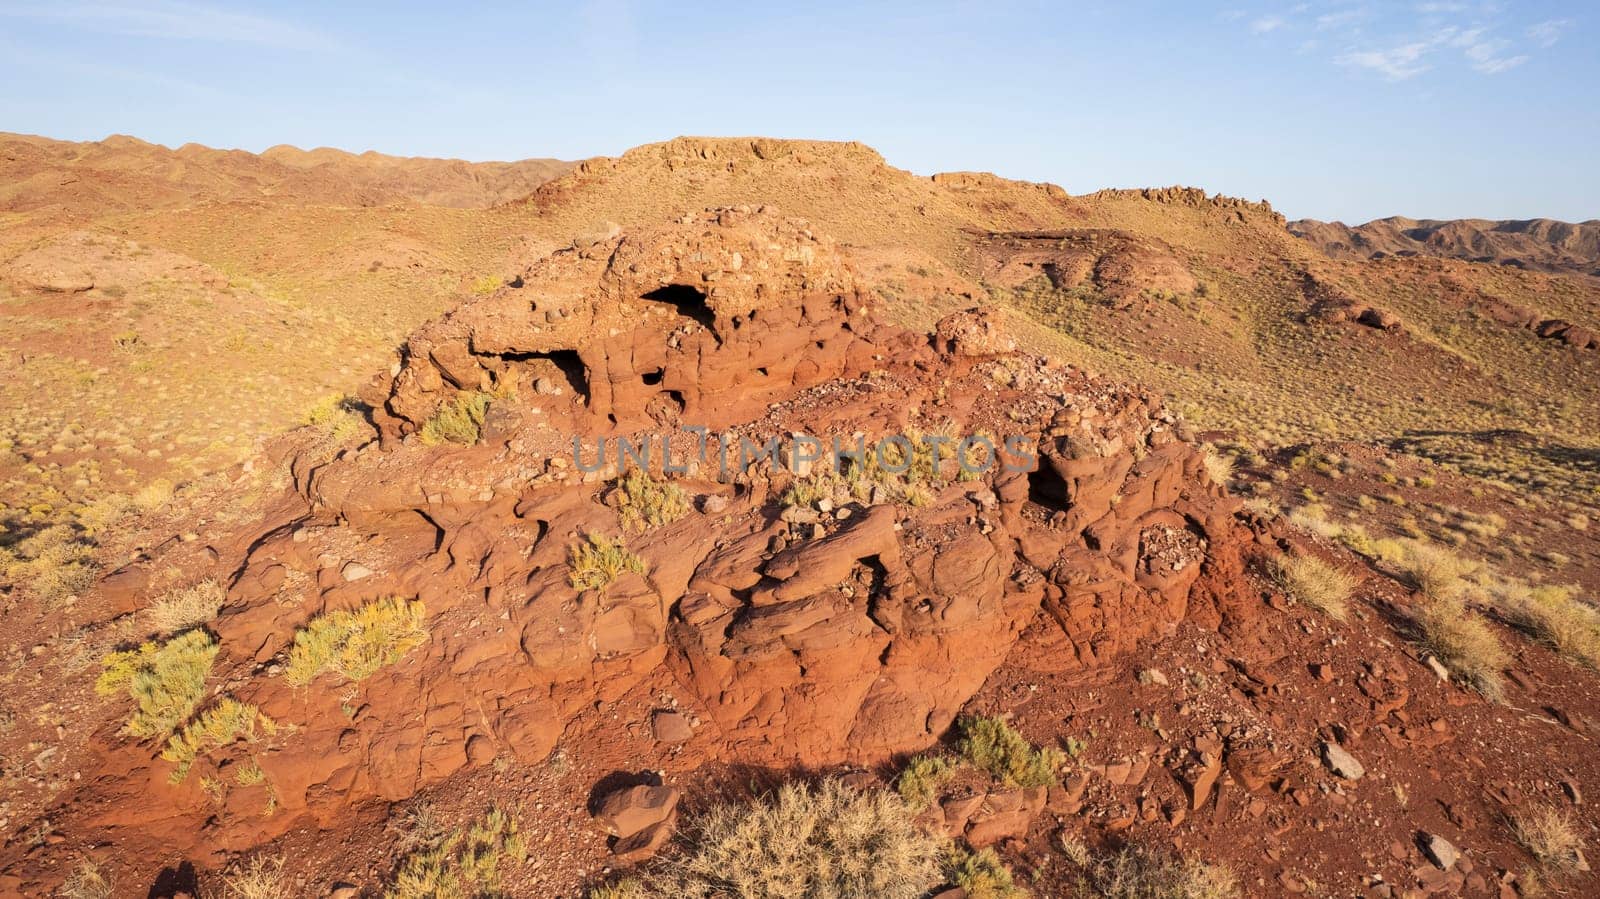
x=1347, y=109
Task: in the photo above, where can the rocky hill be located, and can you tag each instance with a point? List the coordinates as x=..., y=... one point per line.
x=1538, y=244
x=64, y=179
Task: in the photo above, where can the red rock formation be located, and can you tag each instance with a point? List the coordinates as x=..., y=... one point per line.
x=845, y=630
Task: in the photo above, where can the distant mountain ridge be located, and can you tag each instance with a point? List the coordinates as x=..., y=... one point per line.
x=1539, y=244
x=69, y=179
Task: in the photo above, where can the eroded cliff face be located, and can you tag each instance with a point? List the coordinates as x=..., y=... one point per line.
x=850, y=623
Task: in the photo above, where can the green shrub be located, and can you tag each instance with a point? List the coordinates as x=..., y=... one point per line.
x=919, y=783
x=221, y=725
x=464, y=864
x=594, y=564
x=996, y=747
x=355, y=644
x=647, y=502
x=458, y=420
x=165, y=680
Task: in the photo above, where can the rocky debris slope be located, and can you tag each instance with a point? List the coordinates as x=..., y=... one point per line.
x=810, y=619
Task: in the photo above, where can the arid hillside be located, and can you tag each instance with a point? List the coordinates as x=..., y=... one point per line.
x=306, y=594
x=1538, y=244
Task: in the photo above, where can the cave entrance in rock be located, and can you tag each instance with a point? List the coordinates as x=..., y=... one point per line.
x=1047, y=488
x=569, y=367
x=690, y=302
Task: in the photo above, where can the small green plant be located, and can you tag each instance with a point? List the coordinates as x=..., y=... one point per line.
x=595, y=563
x=354, y=644
x=221, y=725
x=995, y=746
x=981, y=874
x=465, y=864
x=165, y=680
x=458, y=420
x=250, y=774
x=1314, y=583
x=920, y=780
x=339, y=415
x=647, y=502
x=487, y=284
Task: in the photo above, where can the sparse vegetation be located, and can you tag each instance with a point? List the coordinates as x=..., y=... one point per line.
x=995, y=746
x=981, y=874
x=1315, y=584
x=1554, y=615
x=458, y=420
x=1142, y=873
x=53, y=564
x=355, y=644
x=463, y=864
x=165, y=680
x=1551, y=836
x=824, y=841
x=88, y=881
x=646, y=502
x=221, y=725
x=261, y=877
x=186, y=607
x=595, y=563
x=1464, y=643
x=920, y=780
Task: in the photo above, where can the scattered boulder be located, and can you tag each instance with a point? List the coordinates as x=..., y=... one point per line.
x=630, y=810
x=1340, y=762
x=1439, y=850
x=670, y=726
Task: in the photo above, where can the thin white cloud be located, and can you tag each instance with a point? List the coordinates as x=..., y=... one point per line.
x=1394, y=63
x=1545, y=34
x=172, y=20
x=1267, y=24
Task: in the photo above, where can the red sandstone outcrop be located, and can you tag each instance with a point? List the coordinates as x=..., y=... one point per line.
x=1121, y=266
x=849, y=630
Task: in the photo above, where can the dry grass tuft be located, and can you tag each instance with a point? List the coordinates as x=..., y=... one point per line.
x=981, y=875
x=87, y=881
x=647, y=502
x=464, y=863
x=458, y=420
x=1550, y=835
x=166, y=681
x=1466, y=645
x=1434, y=570
x=829, y=841
x=259, y=878
x=1139, y=873
x=593, y=565
x=355, y=644
x=996, y=747
x=55, y=563
x=179, y=610
x=1219, y=466
x=1555, y=616
x=1314, y=583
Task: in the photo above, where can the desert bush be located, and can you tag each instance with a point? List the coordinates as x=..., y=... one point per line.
x=1219, y=466
x=1140, y=873
x=154, y=495
x=920, y=780
x=824, y=842
x=259, y=878
x=339, y=415
x=53, y=564
x=1464, y=643
x=458, y=420
x=647, y=502
x=595, y=563
x=354, y=644
x=1314, y=583
x=996, y=747
x=1554, y=615
x=181, y=609
x=221, y=725
x=981, y=874
x=1550, y=835
x=165, y=680
x=464, y=864
x=87, y=881
x=1434, y=570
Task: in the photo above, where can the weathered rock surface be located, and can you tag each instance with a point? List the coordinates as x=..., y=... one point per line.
x=851, y=637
